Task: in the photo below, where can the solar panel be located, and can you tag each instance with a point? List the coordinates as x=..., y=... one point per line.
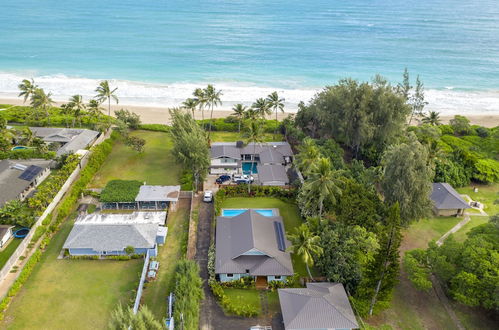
x=279, y=233
x=31, y=172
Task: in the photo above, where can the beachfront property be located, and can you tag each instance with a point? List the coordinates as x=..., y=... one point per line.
x=318, y=306
x=266, y=162
x=19, y=178
x=99, y=234
x=148, y=198
x=67, y=140
x=252, y=243
x=447, y=201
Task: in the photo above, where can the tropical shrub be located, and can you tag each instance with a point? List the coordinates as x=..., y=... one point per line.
x=27, y=154
x=155, y=127
x=120, y=191
x=188, y=294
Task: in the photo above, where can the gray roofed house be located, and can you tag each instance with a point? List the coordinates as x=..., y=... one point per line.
x=247, y=245
x=225, y=150
x=272, y=175
x=318, y=306
x=18, y=178
x=71, y=139
x=99, y=234
x=447, y=201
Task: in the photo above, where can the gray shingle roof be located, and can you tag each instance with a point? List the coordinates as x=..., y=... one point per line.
x=250, y=231
x=222, y=150
x=158, y=194
x=318, y=306
x=269, y=151
x=271, y=173
x=74, y=139
x=10, y=183
x=446, y=198
x=113, y=237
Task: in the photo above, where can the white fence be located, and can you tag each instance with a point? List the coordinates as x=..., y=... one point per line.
x=21, y=249
x=141, y=283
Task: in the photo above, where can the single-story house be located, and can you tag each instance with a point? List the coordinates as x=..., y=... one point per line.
x=109, y=234
x=238, y=158
x=18, y=178
x=5, y=234
x=252, y=244
x=70, y=139
x=447, y=201
x=318, y=306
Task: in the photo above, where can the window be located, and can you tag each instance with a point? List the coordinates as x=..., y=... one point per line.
x=230, y=275
x=278, y=277
x=247, y=271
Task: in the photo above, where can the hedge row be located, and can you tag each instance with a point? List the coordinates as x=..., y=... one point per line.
x=96, y=159
x=155, y=127
x=231, y=124
x=120, y=191
x=237, y=307
x=27, y=154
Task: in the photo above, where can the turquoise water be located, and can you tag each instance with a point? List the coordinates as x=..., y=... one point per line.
x=235, y=212
x=159, y=51
x=249, y=168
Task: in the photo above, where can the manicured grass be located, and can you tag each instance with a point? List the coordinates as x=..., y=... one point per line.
x=420, y=233
x=486, y=194
x=461, y=234
x=246, y=296
x=75, y=294
x=156, y=165
x=169, y=254
x=235, y=136
x=8, y=250
x=289, y=212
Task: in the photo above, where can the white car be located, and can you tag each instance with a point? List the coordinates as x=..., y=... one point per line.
x=242, y=178
x=208, y=196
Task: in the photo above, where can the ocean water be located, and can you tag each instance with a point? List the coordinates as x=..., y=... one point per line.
x=157, y=52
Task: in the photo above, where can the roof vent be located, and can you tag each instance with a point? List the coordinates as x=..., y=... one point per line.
x=239, y=144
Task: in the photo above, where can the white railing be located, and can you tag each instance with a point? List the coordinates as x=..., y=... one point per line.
x=141, y=283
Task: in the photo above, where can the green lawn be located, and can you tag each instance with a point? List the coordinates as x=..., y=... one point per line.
x=235, y=136
x=8, y=250
x=461, y=234
x=420, y=233
x=486, y=194
x=289, y=213
x=252, y=297
x=155, y=165
x=72, y=294
x=156, y=292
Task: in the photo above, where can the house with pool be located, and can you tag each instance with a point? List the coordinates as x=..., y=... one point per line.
x=267, y=162
x=252, y=242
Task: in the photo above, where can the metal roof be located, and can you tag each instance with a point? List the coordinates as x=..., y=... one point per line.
x=122, y=218
x=318, y=306
x=272, y=173
x=230, y=151
x=447, y=198
x=272, y=151
x=72, y=138
x=158, y=194
x=11, y=185
x=250, y=232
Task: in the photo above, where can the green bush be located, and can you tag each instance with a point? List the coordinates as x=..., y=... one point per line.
x=231, y=124
x=186, y=181
x=446, y=129
x=84, y=257
x=155, y=127
x=27, y=154
x=188, y=293
x=120, y=191
x=242, y=283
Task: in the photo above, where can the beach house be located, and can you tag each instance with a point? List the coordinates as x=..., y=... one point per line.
x=68, y=140
x=252, y=243
x=447, y=201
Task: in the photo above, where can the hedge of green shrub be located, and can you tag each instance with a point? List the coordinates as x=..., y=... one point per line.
x=231, y=124
x=27, y=154
x=120, y=191
x=155, y=127
x=231, y=307
x=245, y=282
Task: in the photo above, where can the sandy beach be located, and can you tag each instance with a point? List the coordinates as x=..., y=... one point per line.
x=158, y=115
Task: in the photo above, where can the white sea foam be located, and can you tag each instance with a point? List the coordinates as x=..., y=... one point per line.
x=446, y=101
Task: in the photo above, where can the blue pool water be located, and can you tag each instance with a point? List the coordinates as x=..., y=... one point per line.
x=234, y=212
x=249, y=167
x=19, y=148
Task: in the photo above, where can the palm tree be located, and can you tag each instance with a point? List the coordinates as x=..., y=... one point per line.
x=307, y=156
x=253, y=134
x=190, y=104
x=323, y=182
x=41, y=100
x=104, y=93
x=261, y=107
x=212, y=97
x=306, y=245
x=432, y=119
x=77, y=107
x=239, y=110
x=275, y=103
x=200, y=99
x=27, y=137
x=251, y=114
x=124, y=318
x=94, y=109
x=27, y=89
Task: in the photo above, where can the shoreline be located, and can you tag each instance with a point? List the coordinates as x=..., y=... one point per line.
x=159, y=115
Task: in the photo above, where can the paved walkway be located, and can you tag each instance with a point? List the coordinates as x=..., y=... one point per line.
x=454, y=229
x=212, y=315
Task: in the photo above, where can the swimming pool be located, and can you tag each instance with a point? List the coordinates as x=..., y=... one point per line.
x=249, y=167
x=234, y=212
x=19, y=148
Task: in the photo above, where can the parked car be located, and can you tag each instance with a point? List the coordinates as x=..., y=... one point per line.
x=260, y=327
x=243, y=179
x=208, y=196
x=223, y=178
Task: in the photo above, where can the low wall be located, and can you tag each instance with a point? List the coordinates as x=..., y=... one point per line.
x=21, y=249
x=191, y=238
